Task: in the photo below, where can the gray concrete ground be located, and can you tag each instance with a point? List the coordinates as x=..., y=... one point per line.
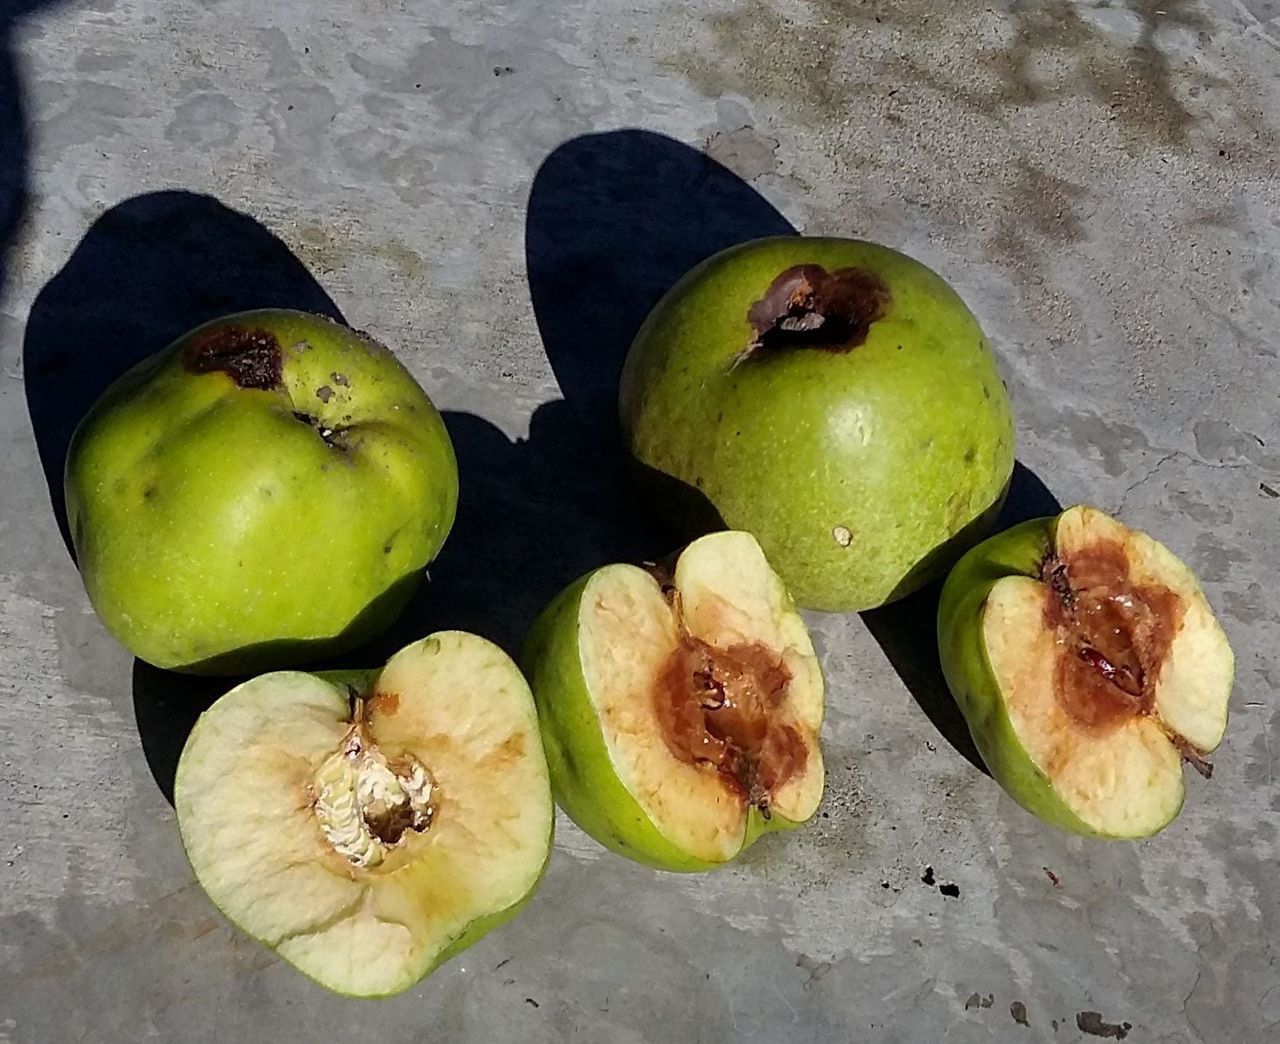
x=1098, y=179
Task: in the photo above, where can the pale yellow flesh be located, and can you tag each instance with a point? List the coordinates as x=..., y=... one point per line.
x=244, y=807
x=627, y=631
x=1126, y=780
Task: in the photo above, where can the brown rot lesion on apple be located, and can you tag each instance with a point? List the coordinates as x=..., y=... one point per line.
x=724, y=707
x=808, y=307
x=251, y=358
x=1113, y=632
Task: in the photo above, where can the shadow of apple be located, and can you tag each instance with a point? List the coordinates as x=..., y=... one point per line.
x=907, y=630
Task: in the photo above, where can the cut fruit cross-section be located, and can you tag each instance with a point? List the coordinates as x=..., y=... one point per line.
x=1088, y=665
x=367, y=839
x=680, y=713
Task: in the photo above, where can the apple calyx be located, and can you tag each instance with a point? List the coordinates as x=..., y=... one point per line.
x=716, y=708
x=1113, y=634
x=251, y=358
x=335, y=437
x=808, y=307
x=366, y=805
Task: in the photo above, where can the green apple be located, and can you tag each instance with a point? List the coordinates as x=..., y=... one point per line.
x=680, y=715
x=1088, y=665
x=266, y=490
x=367, y=832
x=833, y=397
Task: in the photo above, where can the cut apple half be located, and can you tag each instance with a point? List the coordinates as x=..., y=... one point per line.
x=680, y=710
x=368, y=832
x=1089, y=666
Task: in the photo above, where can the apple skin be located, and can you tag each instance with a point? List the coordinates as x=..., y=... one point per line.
x=965, y=665
x=218, y=533
x=903, y=444
x=583, y=781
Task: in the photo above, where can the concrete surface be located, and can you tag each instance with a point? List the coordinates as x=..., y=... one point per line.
x=1098, y=179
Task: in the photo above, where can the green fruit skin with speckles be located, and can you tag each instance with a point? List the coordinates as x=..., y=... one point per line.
x=583, y=779
x=864, y=473
x=216, y=532
x=1019, y=551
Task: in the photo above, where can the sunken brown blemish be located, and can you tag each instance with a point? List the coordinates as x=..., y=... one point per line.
x=808, y=307
x=719, y=707
x=1113, y=635
x=251, y=358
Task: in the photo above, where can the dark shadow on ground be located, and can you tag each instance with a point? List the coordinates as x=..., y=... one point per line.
x=148, y=270
x=14, y=140
x=907, y=630
x=614, y=220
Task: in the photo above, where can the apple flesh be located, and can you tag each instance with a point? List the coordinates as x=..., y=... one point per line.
x=368, y=840
x=680, y=714
x=265, y=491
x=1089, y=666
x=833, y=397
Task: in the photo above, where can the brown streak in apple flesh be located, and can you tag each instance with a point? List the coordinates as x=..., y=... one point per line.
x=808, y=307
x=1113, y=634
x=251, y=358
x=718, y=706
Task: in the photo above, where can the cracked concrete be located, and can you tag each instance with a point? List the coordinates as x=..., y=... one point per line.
x=1098, y=180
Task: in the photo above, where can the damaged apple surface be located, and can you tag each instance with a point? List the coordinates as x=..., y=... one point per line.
x=267, y=490
x=1088, y=666
x=834, y=398
x=367, y=828
x=680, y=710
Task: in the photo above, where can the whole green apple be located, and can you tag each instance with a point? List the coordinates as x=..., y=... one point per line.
x=681, y=713
x=369, y=826
x=1088, y=666
x=833, y=397
x=266, y=490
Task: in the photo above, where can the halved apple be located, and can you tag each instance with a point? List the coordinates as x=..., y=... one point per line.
x=368, y=832
x=680, y=711
x=1089, y=666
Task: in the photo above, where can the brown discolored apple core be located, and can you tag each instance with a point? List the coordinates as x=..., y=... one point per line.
x=1113, y=636
x=720, y=707
x=251, y=358
x=365, y=803
x=808, y=307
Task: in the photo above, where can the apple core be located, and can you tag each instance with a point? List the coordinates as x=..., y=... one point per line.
x=719, y=706
x=1113, y=635
x=808, y=307
x=365, y=804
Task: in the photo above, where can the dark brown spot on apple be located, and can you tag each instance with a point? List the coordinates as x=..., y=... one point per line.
x=721, y=707
x=1113, y=634
x=808, y=307
x=251, y=358
x=324, y=393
